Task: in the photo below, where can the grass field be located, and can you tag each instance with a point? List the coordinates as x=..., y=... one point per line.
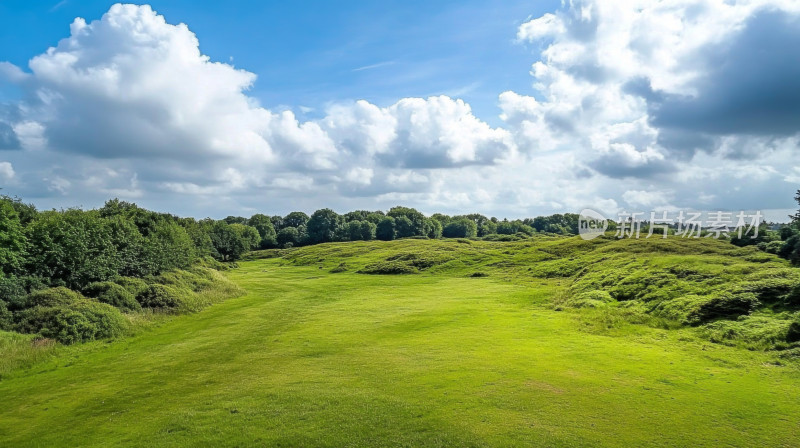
x=439, y=358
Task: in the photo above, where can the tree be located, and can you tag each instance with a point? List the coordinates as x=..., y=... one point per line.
x=433, y=228
x=288, y=236
x=353, y=230
x=322, y=226
x=460, y=228
x=26, y=212
x=416, y=219
x=295, y=219
x=130, y=247
x=404, y=228
x=796, y=216
x=12, y=239
x=384, y=231
x=72, y=247
x=265, y=229
x=277, y=222
x=368, y=230
x=487, y=227
x=228, y=243
x=248, y=234
x=235, y=220
x=169, y=247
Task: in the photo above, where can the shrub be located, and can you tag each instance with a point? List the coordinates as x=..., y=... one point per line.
x=751, y=331
x=793, y=335
x=341, y=268
x=194, y=280
x=114, y=295
x=388, y=268
x=59, y=296
x=770, y=289
x=82, y=321
x=694, y=310
x=793, y=298
x=591, y=299
x=159, y=297
x=14, y=290
x=131, y=284
x=6, y=318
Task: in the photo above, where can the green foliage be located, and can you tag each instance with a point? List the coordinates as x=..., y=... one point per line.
x=393, y=267
x=131, y=284
x=229, y=244
x=752, y=332
x=80, y=321
x=52, y=297
x=12, y=239
x=14, y=290
x=404, y=228
x=694, y=309
x=74, y=247
x=433, y=228
x=793, y=332
x=265, y=230
x=288, y=235
x=460, y=228
x=408, y=221
x=114, y=295
x=159, y=297
x=169, y=247
x=6, y=318
x=591, y=299
x=249, y=235
x=323, y=225
x=295, y=219
x=385, y=230
x=368, y=230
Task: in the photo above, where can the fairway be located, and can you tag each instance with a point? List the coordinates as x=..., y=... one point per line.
x=310, y=358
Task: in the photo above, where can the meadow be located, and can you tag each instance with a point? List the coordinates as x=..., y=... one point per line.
x=550, y=341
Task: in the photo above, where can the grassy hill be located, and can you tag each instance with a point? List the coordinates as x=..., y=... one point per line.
x=544, y=342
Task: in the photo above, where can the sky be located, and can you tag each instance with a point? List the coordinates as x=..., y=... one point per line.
x=507, y=108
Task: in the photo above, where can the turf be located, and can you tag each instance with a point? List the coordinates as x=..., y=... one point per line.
x=310, y=357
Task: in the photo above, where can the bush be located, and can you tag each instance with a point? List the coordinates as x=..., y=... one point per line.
x=82, y=321
x=388, y=268
x=14, y=290
x=114, y=295
x=694, y=310
x=6, y=318
x=341, y=268
x=52, y=297
x=195, y=279
x=793, y=335
x=793, y=298
x=751, y=331
x=159, y=297
x=131, y=284
x=591, y=299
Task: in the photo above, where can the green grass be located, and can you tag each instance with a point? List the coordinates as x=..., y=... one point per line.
x=310, y=357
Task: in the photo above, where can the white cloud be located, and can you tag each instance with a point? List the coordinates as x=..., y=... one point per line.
x=129, y=105
x=6, y=172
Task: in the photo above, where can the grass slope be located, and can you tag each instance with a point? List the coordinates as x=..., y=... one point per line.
x=314, y=358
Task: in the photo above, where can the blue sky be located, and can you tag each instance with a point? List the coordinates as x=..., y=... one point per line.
x=309, y=53
x=506, y=108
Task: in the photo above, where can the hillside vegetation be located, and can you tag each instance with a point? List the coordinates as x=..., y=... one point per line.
x=554, y=342
x=733, y=295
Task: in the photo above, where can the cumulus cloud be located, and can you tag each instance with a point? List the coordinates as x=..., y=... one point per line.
x=629, y=101
x=6, y=171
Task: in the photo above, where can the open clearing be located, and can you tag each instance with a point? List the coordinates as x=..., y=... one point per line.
x=313, y=358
